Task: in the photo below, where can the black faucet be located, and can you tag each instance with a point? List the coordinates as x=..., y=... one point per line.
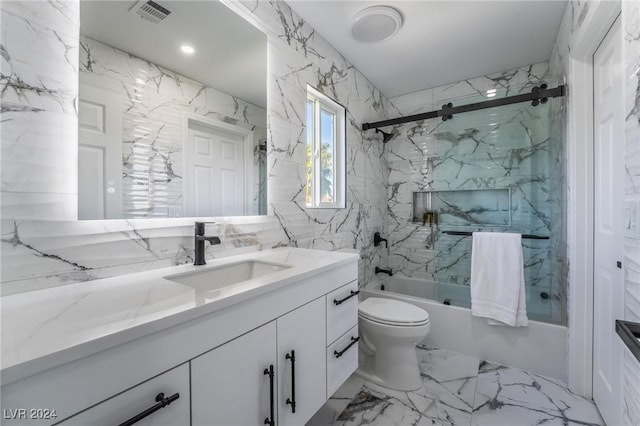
x=200, y=238
x=384, y=271
x=377, y=239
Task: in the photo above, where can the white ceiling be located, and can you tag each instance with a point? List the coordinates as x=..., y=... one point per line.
x=231, y=54
x=441, y=41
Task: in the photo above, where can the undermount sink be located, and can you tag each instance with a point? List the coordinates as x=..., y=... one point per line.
x=227, y=275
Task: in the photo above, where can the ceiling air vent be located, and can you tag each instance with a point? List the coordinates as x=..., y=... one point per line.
x=150, y=10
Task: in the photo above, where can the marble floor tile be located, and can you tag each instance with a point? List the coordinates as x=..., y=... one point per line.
x=372, y=408
x=337, y=402
x=454, y=372
x=459, y=390
x=448, y=386
x=508, y=396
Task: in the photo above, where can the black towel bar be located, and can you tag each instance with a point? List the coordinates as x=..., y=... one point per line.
x=468, y=234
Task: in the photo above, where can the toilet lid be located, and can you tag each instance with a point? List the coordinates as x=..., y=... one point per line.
x=392, y=312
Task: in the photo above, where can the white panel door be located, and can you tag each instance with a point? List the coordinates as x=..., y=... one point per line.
x=302, y=331
x=228, y=384
x=99, y=154
x=214, y=173
x=608, y=229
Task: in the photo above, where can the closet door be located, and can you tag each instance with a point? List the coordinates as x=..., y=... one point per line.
x=608, y=125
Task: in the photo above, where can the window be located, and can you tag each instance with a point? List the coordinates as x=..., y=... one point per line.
x=325, y=151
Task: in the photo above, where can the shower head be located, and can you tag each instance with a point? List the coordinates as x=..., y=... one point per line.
x=386, y=137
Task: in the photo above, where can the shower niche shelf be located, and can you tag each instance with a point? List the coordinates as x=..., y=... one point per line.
x=473, y=207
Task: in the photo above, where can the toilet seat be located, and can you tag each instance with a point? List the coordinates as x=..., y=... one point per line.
x=392, y=312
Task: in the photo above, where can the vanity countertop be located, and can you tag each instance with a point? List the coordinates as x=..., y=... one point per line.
x=46, y=328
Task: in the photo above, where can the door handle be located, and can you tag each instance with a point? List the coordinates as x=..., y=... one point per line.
x=271, y=419
x=161, y=403
x=292, y=401
x=354, y=340
x=351, y=294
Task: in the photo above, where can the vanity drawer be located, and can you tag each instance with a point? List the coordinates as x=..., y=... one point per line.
x=342, y=310
x=126, y=405
x=342, y=360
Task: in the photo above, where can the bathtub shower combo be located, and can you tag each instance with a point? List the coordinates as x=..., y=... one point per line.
x=499, y=169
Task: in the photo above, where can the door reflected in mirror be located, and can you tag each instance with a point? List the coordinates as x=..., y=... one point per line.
x=172, y=111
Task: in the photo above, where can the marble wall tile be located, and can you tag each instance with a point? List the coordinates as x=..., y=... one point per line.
x=31, y=205
x=32, y=140
x=82, y=251
x=39, y=65
x=60, y=16
x=39, y=79
x=38, y=254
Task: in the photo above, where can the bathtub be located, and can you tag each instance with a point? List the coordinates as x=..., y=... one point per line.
x=540, y=348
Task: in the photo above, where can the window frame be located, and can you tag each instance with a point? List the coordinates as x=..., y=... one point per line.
x=322, y=102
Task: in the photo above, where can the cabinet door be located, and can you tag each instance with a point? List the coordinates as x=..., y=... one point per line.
x=228, y=384
x=174, y=384
x=302, y=331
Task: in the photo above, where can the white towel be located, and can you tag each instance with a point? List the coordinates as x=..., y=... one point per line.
x=497, y=278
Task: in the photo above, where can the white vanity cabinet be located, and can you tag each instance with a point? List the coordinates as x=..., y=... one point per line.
x=281, y=363
x=161, y=401
x=301, y=377
x=342, y=335
x=217, y=357
x=230, y=385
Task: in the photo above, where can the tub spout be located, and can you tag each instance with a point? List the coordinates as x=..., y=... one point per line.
x=384, y=271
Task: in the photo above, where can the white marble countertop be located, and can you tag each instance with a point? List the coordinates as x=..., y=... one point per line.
x=47, y=328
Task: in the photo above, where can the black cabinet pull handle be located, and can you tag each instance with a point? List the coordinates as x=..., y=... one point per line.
x=270, y=420
x=353, y=293
x=161, y=403
x=354, y=340
x=292, y=401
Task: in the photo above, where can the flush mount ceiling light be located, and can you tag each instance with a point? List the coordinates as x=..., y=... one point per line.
x=187, y=49
x=375, y=24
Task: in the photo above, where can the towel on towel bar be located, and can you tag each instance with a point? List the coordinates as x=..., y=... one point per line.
x=497, y=278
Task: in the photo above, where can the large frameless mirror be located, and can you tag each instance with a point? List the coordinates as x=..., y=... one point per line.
x=172, y=111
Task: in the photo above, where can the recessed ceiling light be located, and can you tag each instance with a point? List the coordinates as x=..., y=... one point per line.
x=187, y=49
x=492, y=91
x=376, y=23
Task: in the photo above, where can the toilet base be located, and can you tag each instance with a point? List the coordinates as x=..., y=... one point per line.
x=402, y=375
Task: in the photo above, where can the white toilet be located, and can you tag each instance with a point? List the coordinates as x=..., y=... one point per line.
x=390, y=330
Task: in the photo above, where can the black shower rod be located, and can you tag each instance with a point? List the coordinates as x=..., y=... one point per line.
x=537, y=96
